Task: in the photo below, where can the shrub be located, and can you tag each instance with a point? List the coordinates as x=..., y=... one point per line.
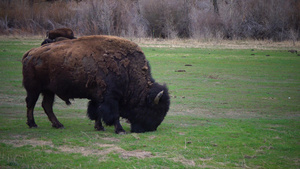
x=228, y=19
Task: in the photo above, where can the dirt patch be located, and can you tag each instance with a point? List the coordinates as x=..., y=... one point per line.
x=108, y=148
x=152, y=137
x=180, y=71
x=110, y=139
x=185, y=161
x=205, y=159
x=100, y=150
x=85, y=151
x=212, y=76
x=136, y=153
x=32, y=142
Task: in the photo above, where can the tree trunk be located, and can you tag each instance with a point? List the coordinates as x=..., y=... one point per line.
x=216, y=8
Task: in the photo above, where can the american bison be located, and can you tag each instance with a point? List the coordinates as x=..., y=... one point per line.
x=47, y=41
x=111, y=72
x=54, y=40
x=61, y=32
x=58, y=35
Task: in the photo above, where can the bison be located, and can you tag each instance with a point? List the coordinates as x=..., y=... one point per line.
x=61, y=32
x=111, y=72
x=58, y=35
x=54, y=40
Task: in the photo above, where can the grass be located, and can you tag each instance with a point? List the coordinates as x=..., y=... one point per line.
x=230, y=108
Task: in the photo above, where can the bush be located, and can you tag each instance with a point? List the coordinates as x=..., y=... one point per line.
x=226, y=19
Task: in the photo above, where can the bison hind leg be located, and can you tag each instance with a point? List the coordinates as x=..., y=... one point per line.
x=47, y=105
x=31, y=100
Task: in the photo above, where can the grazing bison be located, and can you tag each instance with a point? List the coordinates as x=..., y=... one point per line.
x=47, y=41
x=61, y=32
x=55, y=40
x=58, y=35
x=111, y=72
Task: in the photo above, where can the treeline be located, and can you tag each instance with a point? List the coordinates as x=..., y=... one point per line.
x=200, y=19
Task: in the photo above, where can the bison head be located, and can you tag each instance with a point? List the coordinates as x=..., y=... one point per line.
x=149, y=116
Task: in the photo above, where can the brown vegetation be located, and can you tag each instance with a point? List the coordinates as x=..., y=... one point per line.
x=101, y=150
x=199, y=19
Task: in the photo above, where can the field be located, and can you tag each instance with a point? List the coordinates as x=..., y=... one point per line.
x=230, y=108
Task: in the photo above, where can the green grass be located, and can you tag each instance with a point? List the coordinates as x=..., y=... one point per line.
x=229, y=109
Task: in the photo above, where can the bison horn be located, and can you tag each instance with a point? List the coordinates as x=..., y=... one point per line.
x=158, y=96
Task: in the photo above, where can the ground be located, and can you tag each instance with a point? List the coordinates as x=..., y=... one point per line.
x=235, y=105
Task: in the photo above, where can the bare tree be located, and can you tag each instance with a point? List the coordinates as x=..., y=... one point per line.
x=231, y=19
x=216, y=8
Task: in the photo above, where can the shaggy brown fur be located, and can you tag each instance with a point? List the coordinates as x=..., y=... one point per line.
x=112, y=72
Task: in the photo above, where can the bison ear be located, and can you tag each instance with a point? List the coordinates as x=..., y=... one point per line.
x=158, y=96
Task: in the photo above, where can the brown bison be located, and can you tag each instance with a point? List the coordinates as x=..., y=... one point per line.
x=54, y=40
x=111, y=72
x=58, y=35
x=61, y=32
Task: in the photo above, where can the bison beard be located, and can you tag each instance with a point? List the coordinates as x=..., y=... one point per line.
x=111, y=72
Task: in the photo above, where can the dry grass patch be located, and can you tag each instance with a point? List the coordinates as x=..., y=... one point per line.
x=31, y=142
x=218, y=44
x=101, y=150
x=185, y=43
x=190, y=163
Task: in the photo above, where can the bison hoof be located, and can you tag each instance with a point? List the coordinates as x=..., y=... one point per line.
x=58, y=125
x=100, y=128
x=32, y=125
x=121, y=132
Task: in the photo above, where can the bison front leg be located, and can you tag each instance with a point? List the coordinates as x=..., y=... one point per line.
x=98, y=125
x=94, y=113
x=110, y=115
x=47, y=105
x=118, y=128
